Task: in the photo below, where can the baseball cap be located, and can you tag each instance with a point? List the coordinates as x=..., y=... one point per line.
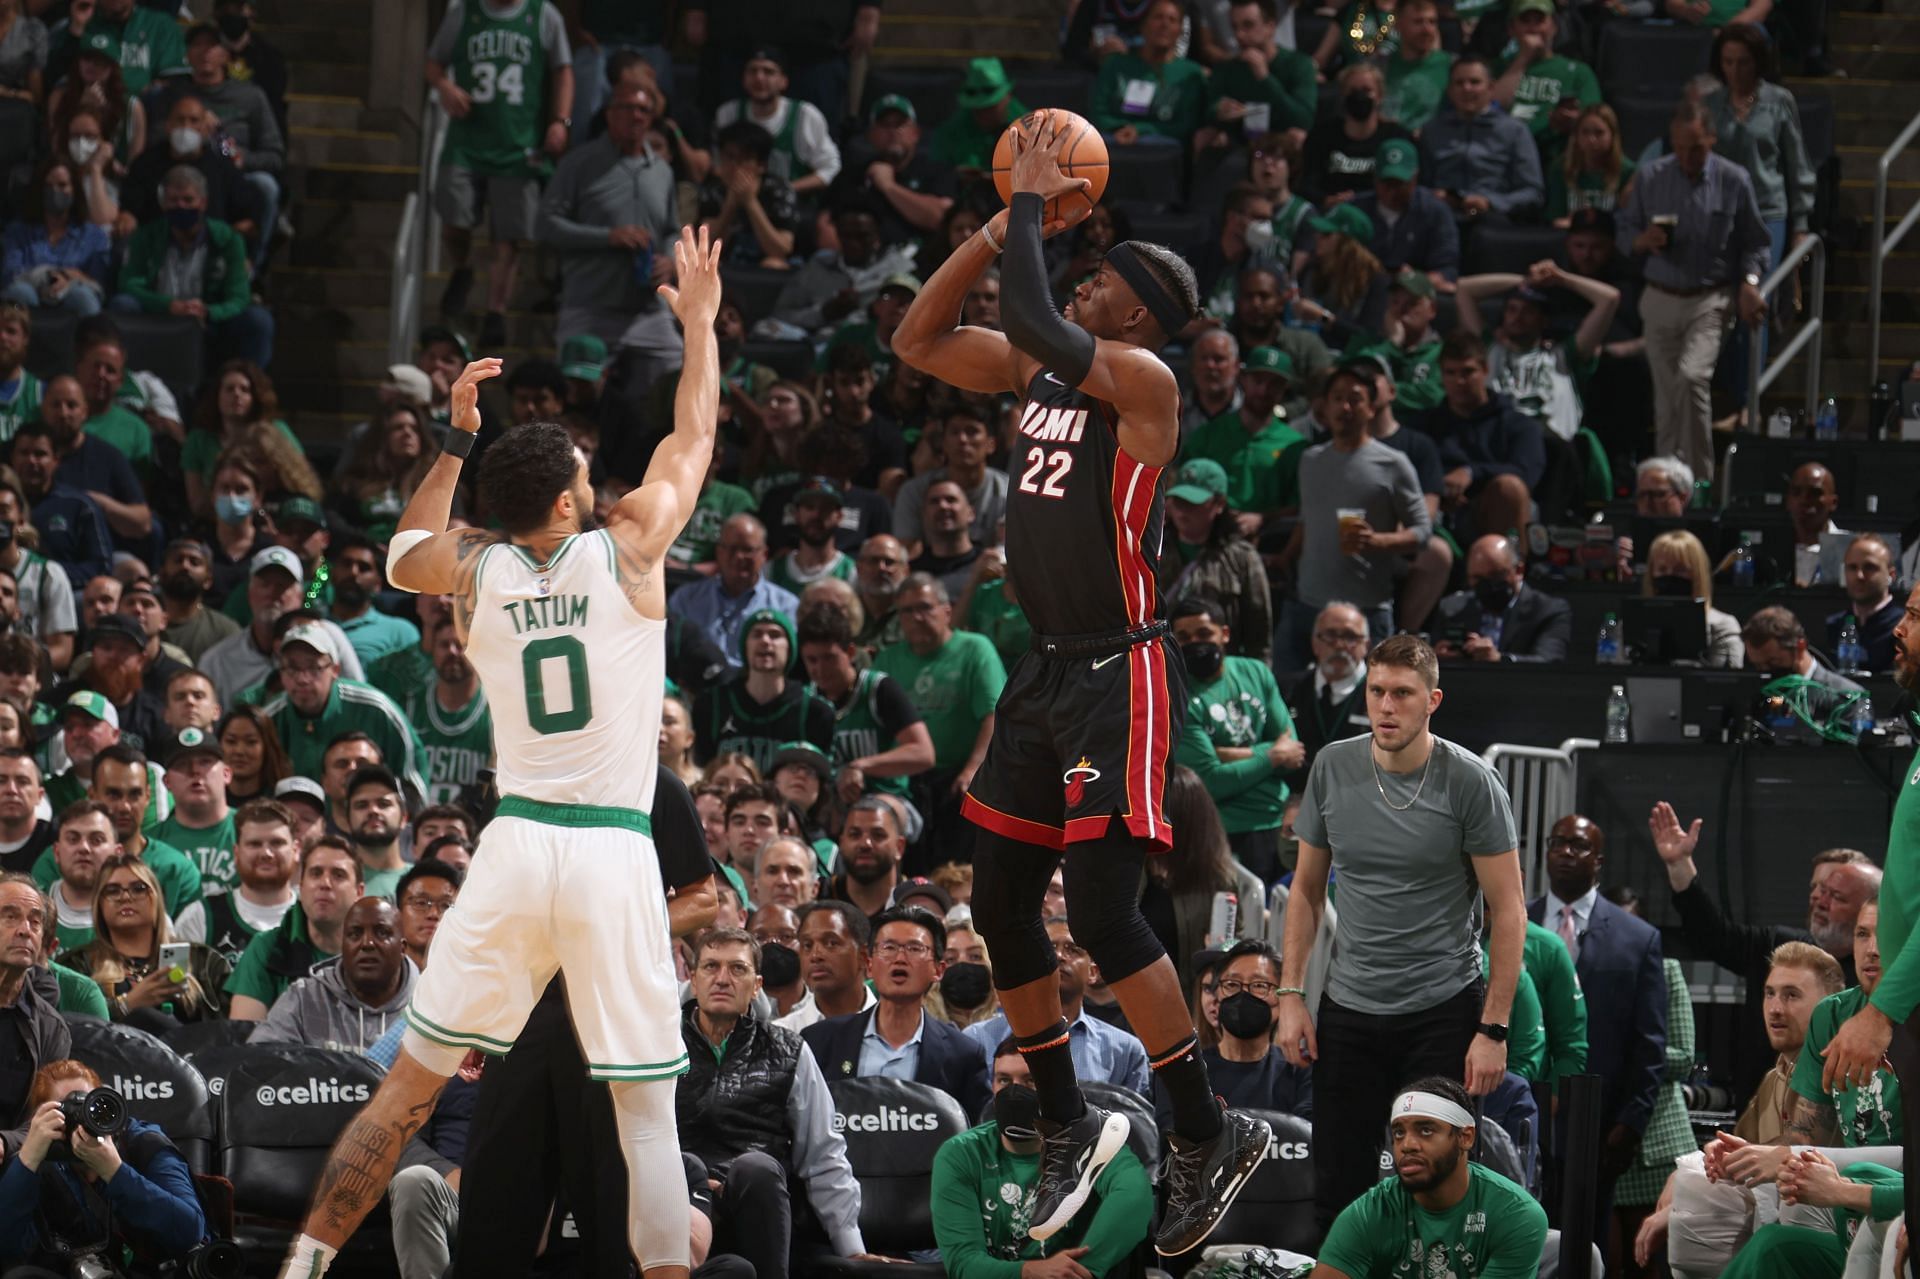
x=409, y=381
x=921, y=886
x=1527, y=293
x=300, y=508
x=193, y=741
x=117, y=626
x=1199, y=481
x=1205, y=961
x=1397, y=161
x=314, y=636
x=583, y=357
x=901, y=281
x=441, y=333
x=1344, y=219
x=92, y=704
x=1530, y=6
x=276, y=557
x=768, y=53
x=140, y=586
x=1368, y=359
x=892, y=102
x=820, y=486
x=1415, y=282
x=301, y=788
x=1268, y=359
x=805, y=755
x=199, y=29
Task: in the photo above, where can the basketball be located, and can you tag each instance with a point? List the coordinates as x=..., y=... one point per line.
x=1083, y=156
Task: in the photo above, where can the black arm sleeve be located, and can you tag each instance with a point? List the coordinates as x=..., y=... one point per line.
x=1026, y=302
x=1740, y=948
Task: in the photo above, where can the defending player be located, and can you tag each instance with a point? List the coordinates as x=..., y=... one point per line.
x=1082, y=734
x=567, y=631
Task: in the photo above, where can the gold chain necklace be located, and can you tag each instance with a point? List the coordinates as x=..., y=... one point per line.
x=1357, y=33
x=1381, y=787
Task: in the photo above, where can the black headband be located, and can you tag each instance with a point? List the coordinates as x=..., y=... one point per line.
x=1167, y=313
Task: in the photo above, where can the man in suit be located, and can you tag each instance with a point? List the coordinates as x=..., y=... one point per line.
x=1618, y=960
x=1328, y=700
x=896, y=1038
x=1499, y=618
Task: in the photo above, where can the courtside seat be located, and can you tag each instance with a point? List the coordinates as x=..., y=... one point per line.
x=161, y=1086
x=893, y=1128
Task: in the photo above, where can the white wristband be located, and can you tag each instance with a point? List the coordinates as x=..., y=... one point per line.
x=397, y=548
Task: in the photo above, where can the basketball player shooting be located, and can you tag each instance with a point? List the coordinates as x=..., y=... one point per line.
x=1082, y=735
x=566, y=625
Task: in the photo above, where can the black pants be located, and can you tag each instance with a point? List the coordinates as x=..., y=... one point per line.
x=1365, y=1059
x=1259, y=852
x=753, y=1214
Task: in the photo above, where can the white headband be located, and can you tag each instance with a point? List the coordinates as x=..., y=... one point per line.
x=1429, y=1106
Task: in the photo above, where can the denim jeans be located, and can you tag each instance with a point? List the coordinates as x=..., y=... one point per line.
x=77, y=300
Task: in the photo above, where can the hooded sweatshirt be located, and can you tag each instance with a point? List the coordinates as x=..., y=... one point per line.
x=728, y=718
x=1495, y=439
x=1490, y=154
x=323, y=1011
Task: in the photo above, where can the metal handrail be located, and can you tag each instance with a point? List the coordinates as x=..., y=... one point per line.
x=416, y=241
x=1883, y=242
x=1808, y=338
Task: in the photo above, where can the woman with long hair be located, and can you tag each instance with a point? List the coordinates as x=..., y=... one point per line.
x=55, y=256
x=387, y=464
x=1209, y=557
x=1596, y=173
x=1344, y=288
x=1179, y=888
x=969, y=976
x=239, y=413
x=788, y=412
x=732, y=770
x=83, y=138
x=251, y=746
x=1756, y=124
x=238, y=527
x=676, y=740
x=130, y=926
x=1677, y=565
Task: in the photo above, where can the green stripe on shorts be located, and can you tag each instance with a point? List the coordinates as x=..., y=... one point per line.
x=455, y=1038
x=635, y=1074
x=577, y=815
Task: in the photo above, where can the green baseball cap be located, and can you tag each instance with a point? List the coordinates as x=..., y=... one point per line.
x=1415, y=282
x=1530, y=6
x=892, y=102
x=583, y=357
x=88, y=702
x=986, y=83
x=1200, y=481
x=300, y=508
x=1345, y=219
x=1396, y=161
x=1268, y=359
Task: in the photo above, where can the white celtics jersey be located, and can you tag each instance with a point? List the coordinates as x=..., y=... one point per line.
x=573, y=674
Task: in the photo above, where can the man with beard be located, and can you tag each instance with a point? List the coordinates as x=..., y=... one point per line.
x=240, y=661
x=451, y=716
x=871, y=845
x=879, y=739
x=309, y=934
x=376, y=819
x=121, y=786
x=202, y=826
x=426, y=893
x=355, y=565
x=24, y=835
x=73, y=532
x=949, y=551
x=317, y=704
x=878, y=571
x=186, y=571
x=759, y=710
x=345, y=755
x=265, y=857
x=115, y=666
x=140, y=600
x=816, y=518
x=913, y=190
x=1461, y=1218
x=100, y=453
x=348, y=1005
x=1261, y=296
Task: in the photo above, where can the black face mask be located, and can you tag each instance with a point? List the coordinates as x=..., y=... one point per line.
x=779, y=965
x=1016, y=1108
x=1673, y=586
x=1204, y=659
x=1245, y=1015
x=232, y=25
x=1359, y=104
x=966, y=986
x=1494, y=593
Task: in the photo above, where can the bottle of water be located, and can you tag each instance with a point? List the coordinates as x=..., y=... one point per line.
x=1606, y=652
x=1848, y=651
x=1827, y=425
x=1743, y=561
x=1619, y=716
x=1860, y=718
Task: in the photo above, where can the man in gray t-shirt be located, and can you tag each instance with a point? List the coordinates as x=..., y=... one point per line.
x=1417, y=829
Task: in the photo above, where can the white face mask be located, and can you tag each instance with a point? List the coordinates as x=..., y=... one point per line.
x=186, y=141
x=82, y=149
x=1260, y=235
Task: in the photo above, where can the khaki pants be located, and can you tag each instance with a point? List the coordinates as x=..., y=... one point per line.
x=1683, y=344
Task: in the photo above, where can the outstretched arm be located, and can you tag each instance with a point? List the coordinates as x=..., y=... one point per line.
x=440, y=565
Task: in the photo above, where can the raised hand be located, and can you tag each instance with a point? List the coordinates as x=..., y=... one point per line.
x=1669, y=840
x=464, y=410
x=696, y=259
x=1036, y=160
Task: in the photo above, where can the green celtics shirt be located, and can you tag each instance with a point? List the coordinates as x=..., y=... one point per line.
x=1562, y=1005
x=1869, y=1115
x=1255, y=478
x=1001, y=620
x=350, y=707
x=1496, y=1231
x=126, y=431
x=719, y=502
x=179, y=881
x=209, y=848
x=19, y=402
x=502, y=64
x=1416, y=376
x=1285, y=99
x=1241, y=706
x=876, y=709
x=1415, y=88
x=146, y=45
x=1526, y=1028
x=1544, y=84
x=955, y=688
x=459, y=743
x=1899, y=988
x=399, y=673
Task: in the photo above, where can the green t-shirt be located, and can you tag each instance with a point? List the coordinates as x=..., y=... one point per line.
x=398, y=674
x=79, y=993
x=1168, y=101
x=459, y=743
x=1496, y=1231
x=126, y=431
x=1285, y=98
x=1255, y=478
x=1590, y=190
x=1868, y=1116
x=719, y=502
x=179, y=878
x=383, y=883
x=1001, y=620
x=1544, y=84
x=148, y=44
x=1526, y=1028
x=202, y=448
x=1416, y=89
x=955, y=689
x=785, y=574
x=861, y=728
x=209, y=848
x=22, y=404
x=1416, y=376
x=1562, y=1005
x=251, y=976
x=1241, y=706
x=960, y=142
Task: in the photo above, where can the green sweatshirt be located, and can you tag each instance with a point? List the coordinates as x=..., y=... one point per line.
x=1526, y=1031
x=225, y=285
x=1868, y=1114
x=1562, y=1006
x=80, y=993
x=1899, y=989
x=983, y=1195
x=1290, y=89
x=1241, y=706
x=1168, y=101
x=351, y=706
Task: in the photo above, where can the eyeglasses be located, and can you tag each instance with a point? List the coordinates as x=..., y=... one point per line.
x=903, y=950
x=289, y=671
x=135, y=890
x=1233, y=986
x=421, y=902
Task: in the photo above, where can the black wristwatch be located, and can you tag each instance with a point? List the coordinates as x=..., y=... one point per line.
x=1493, y=1030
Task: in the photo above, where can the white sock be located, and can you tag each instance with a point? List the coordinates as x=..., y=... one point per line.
x=308, y=1260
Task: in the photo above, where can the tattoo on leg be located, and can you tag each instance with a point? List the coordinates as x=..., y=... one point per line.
x=361, y=1165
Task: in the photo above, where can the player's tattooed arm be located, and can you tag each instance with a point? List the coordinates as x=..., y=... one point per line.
x=1811, y=1123
x=468, y=545
x=634, y=569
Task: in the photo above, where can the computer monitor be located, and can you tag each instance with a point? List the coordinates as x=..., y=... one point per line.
x=1713, y=703
x=1660, y=631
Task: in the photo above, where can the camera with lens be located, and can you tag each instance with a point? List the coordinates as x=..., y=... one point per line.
x=215, y=1259
x=101, y=1111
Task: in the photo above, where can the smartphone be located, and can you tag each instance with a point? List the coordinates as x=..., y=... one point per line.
x=175, y=954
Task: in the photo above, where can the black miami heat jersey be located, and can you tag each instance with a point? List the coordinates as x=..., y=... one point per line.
x=1083, y=518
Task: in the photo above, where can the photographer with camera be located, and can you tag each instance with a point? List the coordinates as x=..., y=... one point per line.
x=90, y=1182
